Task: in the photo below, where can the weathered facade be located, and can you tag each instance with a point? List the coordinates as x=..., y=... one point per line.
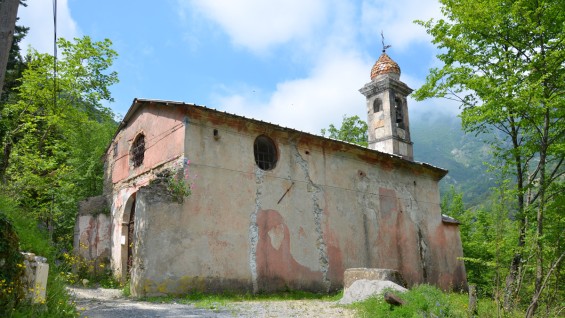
x=270, y=208
x=92, y=236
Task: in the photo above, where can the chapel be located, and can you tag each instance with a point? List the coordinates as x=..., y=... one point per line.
x=204, y=200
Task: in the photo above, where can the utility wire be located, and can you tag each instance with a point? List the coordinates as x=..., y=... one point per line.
x=55, y=54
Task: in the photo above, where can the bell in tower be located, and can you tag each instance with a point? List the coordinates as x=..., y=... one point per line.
x=387, y=109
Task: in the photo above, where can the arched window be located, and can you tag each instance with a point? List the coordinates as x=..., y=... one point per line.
x=377, y=105
x=138, y=151
x=265, y=153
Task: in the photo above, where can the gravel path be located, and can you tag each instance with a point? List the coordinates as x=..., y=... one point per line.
x=99, y=303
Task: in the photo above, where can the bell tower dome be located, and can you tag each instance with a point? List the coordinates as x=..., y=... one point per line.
x=387, y=109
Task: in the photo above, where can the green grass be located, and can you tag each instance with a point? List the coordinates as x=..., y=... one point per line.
x=32, y=239
x=428, y=301
x=213, y=301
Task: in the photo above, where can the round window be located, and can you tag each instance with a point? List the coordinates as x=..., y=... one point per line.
x=265, y=152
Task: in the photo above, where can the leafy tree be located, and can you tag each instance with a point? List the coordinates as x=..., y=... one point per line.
x=505, y=62
x=56, y=132
x=353, y=130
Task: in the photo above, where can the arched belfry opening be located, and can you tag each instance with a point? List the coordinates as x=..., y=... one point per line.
x=387, y=109
x=377, y=105
x=399, y=113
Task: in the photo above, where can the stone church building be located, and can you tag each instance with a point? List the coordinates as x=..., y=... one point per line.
x=206, y=200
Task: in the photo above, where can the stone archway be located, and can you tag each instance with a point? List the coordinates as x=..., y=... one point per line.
x=127, y=241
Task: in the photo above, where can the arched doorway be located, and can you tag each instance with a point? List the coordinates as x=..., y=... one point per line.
x=128, y=239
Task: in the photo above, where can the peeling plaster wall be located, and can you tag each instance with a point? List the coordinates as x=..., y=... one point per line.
x=344, y=207
x=94, y=238
x=92, y=235
x=163, y=127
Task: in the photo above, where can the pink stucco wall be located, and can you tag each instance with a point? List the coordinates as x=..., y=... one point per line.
x=163, y=128
x=164, y=131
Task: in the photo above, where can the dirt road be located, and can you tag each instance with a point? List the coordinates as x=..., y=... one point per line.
x=99, y=303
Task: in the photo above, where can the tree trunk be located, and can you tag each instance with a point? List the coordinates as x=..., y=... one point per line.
x=540, y=214
x=8, y=16
x=512, y=279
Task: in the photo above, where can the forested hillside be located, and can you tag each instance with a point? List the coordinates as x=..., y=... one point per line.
x=440, y=141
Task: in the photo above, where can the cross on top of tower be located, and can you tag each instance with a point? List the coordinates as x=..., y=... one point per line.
x=383, y=41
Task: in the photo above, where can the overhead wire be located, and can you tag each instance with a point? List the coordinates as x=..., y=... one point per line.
x=55, y=54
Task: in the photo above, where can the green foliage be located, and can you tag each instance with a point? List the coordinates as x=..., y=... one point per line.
x=35, y=240
x=84, y=272
x=53, y=133
x=52, y=148
x=421, y=301
x=11, y=269
x=505, y=62
x=353, y=130
x=179, y=186
x=57, y=304
x=126, y=291
x=487, y=236
x=213, y=300
x=426, y=301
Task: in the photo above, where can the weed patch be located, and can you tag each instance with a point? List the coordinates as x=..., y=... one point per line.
x=428, y=301
x=32, y=239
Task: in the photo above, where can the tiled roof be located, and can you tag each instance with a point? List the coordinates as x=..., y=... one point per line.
x=384, y=65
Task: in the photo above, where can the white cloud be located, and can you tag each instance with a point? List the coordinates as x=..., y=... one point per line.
x=326, y=38
x=38, y=16
x=313, y=102
x=396, y=20
x=258, y=24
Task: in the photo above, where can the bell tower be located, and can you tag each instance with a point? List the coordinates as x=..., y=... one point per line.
x=387, y=109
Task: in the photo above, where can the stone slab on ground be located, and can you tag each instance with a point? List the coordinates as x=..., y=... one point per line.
x=352, y=274
x=363, y=288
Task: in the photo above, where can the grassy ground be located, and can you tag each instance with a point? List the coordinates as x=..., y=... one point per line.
x=32, y=239
x=427, y=301
x=203, y=300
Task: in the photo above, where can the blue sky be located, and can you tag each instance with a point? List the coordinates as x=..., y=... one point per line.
x=294, y=63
